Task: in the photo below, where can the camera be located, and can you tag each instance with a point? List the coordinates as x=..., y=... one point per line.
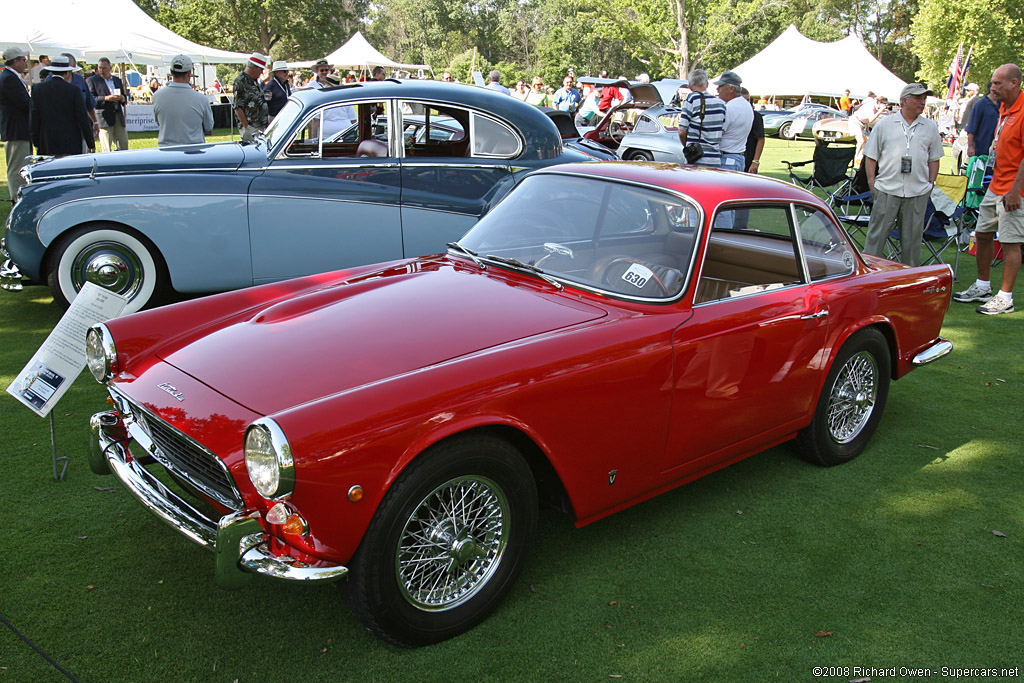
x=693, y=152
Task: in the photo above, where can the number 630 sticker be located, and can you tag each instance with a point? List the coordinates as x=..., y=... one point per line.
x=637, y=275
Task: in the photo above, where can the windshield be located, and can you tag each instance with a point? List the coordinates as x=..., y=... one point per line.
x=282, y=122
x=604, y=235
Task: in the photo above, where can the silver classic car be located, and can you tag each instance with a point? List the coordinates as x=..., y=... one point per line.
x=300, y=200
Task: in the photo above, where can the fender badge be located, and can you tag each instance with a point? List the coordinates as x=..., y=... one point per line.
x=172, y=390
x=611, y=477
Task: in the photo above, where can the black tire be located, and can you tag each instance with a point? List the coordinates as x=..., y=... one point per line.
x=123, y=262
x=639, y=155
x=784, y=130
x=394, y=591
x=851, y=402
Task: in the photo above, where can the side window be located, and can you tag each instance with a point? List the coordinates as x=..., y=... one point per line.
x=750, y=250
x=827, y=252
x=645, y=124
x=492, y=139
x=433, y=130
x=343, y=130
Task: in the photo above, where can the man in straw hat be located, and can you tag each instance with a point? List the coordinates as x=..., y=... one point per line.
x=277, y=88
x=59, y=122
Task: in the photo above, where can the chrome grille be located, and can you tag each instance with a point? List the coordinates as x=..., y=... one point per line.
x=181, y=455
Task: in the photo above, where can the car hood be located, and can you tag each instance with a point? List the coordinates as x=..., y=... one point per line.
x=226, y=156
x=371, y=328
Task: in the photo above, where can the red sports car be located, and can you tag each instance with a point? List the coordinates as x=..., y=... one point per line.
x=608, y=332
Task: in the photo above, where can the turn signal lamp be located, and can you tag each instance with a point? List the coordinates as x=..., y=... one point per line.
x=290, y=522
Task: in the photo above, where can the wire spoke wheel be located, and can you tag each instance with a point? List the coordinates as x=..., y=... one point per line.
x=853, y=397
x=851, y=403
x=452, y=543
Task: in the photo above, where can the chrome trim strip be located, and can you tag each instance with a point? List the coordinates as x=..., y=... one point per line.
x=428, y=164
x=938, y=348
x=108, y=174
x=357, y=162
x=139, y=432
x=237, y=539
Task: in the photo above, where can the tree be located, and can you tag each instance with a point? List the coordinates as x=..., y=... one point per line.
x=995, y=28
x=274, y=27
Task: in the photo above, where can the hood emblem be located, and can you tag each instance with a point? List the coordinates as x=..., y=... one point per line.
x=172, y=390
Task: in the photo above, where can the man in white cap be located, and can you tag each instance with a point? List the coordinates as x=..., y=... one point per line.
x=14, y=108
x=250, y=107
x=277, y=88
x=57, y=116
x=183, y=114
x=901, y=160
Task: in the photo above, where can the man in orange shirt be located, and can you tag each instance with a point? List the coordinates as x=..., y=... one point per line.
x=1001, y=208
x=845, y=103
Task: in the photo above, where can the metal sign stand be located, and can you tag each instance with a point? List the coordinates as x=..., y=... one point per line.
x=53, y=445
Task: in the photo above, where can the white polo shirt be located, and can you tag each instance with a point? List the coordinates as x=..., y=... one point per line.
x=739, y=117
x=891, y=139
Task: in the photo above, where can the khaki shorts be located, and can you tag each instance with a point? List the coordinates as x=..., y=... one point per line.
x=993, y=217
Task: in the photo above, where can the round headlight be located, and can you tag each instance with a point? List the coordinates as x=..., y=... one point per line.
x=268, y=459
x=100, y=353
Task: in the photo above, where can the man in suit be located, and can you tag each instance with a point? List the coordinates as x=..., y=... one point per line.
x=14, y=112
x=110, y=100
x=58, y=120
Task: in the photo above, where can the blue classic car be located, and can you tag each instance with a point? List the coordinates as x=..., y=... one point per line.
x=300, y=200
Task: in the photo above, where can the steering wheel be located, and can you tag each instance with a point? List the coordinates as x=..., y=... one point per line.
x=617, y=131
x=603, y=267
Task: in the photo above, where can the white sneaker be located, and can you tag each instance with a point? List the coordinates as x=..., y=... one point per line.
x=995, y=306
x=973, y=293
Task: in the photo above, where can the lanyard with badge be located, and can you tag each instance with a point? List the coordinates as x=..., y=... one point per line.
x=906, y=161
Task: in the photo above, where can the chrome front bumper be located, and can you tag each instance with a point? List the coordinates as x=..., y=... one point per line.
x=239, y=543
x=936, y=350
x=10, y=276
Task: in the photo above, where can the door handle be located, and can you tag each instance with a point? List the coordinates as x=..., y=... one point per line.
x=823, y=313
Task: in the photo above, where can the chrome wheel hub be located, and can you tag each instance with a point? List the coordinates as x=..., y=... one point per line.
x=853, y=397
x=452, y=543
x=109, y=265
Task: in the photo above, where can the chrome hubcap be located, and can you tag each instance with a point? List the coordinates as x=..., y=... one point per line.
x=853, y=397
x=452, y=543
x=109, y=265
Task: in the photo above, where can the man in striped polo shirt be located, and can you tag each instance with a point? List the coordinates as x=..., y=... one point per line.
x=707, y=128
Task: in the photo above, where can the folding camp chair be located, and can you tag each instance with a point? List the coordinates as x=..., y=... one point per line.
x=851, y=202
x=831, y=167
x=948, y=226
x=944, y=222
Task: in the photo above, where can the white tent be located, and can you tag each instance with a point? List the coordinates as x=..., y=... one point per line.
x=793, y=64
x=357, y=53
x=116, y=29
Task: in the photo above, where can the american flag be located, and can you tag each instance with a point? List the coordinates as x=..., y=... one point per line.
x=964, y=70
x=953, y=82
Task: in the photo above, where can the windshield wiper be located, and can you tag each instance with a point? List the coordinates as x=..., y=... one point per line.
x=468, y=252
x=516, y=263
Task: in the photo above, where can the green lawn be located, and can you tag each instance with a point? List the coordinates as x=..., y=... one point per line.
x=762, y=571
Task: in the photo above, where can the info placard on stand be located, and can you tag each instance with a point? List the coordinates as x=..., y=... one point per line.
x=61, y=358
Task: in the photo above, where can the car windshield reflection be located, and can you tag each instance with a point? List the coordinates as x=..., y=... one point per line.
x=282, y=122
x=613, y=237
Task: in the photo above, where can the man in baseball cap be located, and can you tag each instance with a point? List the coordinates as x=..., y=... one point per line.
x=250, y=107
x=183, y=114
x=14, y=107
